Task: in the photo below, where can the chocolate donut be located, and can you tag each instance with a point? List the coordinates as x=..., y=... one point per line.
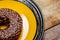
x=14, y=24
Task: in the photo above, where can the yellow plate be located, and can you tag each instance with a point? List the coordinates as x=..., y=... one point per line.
x=25, y=11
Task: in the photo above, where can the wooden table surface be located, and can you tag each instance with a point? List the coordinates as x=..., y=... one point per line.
x=51, y=13
x=52, y=33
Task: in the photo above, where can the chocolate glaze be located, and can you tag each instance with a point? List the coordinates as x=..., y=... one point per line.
x=14, y=24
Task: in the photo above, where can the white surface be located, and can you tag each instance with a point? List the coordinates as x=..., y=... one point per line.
x=25, y=27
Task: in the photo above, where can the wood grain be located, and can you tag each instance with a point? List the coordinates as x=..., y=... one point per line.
x=53, y=33
x=51, y=12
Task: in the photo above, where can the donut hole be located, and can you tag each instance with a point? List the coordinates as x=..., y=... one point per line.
x=3, y=27
x=4, y=21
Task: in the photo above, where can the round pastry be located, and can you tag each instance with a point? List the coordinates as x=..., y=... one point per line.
x=14, y=24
